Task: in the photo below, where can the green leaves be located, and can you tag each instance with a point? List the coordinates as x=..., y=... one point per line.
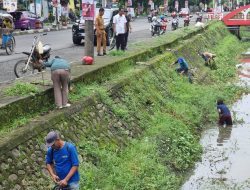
x=21, y=88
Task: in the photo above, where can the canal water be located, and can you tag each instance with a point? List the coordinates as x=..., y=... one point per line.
x=225, y=163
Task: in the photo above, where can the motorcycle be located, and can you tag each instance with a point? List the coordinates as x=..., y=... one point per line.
x=38, y=52
x=158, y=27
x=175, y=24
x=163, y=25
x=150, y=18
x=199, y=18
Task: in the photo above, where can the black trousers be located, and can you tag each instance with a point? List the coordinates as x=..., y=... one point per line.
x=126, y=39
x=120, y=42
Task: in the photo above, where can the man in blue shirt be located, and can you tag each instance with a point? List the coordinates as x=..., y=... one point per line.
x=63, y=159
x=183, y=65
x=224, y=113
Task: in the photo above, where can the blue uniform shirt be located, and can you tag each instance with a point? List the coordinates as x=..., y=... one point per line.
x=224, y=109
x=183, y=63
x=64, y=159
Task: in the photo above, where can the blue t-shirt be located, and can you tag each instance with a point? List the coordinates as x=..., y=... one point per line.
x=183, y=63
x=224, y=109
x=64, y=159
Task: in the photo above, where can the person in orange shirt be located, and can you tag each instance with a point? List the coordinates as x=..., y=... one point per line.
x=100, y=33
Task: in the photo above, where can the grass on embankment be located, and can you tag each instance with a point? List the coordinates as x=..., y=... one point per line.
x=172, y=112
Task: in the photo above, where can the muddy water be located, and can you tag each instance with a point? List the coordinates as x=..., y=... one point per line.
x=225, y=163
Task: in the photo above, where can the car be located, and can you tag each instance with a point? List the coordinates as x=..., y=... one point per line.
x=26, y=20
x=184, y=12
x=78, y=32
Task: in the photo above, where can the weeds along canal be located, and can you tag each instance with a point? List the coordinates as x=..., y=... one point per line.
x=225, y=161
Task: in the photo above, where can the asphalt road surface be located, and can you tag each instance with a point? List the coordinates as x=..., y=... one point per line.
x=61, y=44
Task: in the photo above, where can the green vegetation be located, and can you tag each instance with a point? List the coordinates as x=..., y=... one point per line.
x=170, y=111
x=167, y=111
x=245, y=32
x=21, y=88
x=117, y=53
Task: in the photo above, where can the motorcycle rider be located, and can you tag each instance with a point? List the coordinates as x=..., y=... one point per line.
x=163, y=23
x=175, y=23
x=155, y=26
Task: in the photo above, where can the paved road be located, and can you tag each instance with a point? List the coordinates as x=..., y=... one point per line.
x=61, y=43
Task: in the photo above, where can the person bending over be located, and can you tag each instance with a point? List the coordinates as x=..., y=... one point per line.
x=224, y=113
x=183, y=69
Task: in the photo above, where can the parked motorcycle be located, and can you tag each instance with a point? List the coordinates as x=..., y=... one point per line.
x=38, y=52
x=175, y=24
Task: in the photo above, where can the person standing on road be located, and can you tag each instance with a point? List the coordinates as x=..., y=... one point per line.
x=100, y=32
x=128, y=27
x=119, y=28
x=60, y=75
x=224, y=113
x=62, y=161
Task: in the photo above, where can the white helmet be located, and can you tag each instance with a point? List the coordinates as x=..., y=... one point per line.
x=154, y=18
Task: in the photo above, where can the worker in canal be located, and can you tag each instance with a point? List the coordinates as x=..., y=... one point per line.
x=224, y=113
x=183, y=69
x=208, y=57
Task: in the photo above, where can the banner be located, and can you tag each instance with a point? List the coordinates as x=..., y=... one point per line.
x=10, y=5
x=88, y=9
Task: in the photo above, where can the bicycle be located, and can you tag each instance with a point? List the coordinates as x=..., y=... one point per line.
x=8, y=43
x=112, y=42
x=58, y=187
x=8, y=40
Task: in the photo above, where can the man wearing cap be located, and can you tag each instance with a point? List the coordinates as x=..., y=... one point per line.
x=62, y=161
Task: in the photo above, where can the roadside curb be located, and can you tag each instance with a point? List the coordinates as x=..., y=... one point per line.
x=17, y=33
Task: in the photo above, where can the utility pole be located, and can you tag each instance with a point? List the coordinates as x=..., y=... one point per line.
x=89, y=38
x=88, y=12
x=35, y=6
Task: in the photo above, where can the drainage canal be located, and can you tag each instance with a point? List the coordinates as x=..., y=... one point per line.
x=225, y=163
